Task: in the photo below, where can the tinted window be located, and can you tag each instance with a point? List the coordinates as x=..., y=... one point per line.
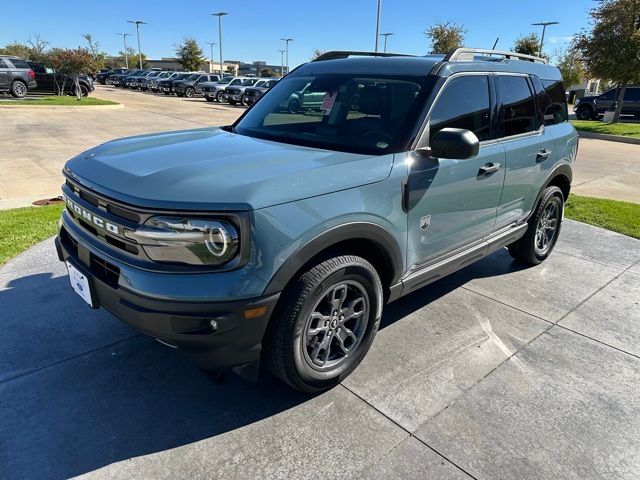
x=2, y=64
x=464, y=103
x=18, y=63
x=609, y=95
x=632, y=94
x=518, y=106
x=557, y=112
x=37, y=68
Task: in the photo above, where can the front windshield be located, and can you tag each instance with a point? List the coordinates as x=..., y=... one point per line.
x=353, y=113
x=154, y=74
x=248, y=82
x=193, y=77
x=224, y=81
x=259, y=83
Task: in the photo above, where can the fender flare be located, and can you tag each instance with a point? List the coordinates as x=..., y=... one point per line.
x=373, y=232
x=563, y=169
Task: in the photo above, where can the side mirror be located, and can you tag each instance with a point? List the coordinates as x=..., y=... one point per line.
x=455, y=143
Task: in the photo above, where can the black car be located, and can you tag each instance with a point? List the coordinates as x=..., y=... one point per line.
x=103, y=75
x=166, y=86
x=192, y=85
x=16, y=76
x=589, y=108
x=252, y=94
x=48, y=81
x=120, y=79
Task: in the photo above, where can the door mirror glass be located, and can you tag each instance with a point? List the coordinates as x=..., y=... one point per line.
x=454, y=143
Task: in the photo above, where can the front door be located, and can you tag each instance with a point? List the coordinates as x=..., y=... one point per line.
x=4, y=74
x=453, y=203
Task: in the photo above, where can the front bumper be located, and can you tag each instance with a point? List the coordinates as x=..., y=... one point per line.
x=232, y=341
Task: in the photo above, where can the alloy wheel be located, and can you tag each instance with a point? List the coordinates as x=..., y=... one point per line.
x=546, y=228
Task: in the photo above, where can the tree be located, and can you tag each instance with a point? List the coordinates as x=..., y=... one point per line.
x=231, y=69
x=267, y=72
x=611, y=49
x=189, y=54
x=527, y=44
x=445, y=36
x=38, y=48
x=99, y=56
x=69, y=63
x=316, y=53
x=570, y=66
x=132, y=53
x=17, y=49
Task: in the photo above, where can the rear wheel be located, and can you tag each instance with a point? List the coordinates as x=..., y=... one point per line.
x=543, y=231
x=294, y=106
x=18, y=89
x=189, y=92
x=325, y=324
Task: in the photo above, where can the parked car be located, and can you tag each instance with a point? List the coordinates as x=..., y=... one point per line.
x=153, y=83
x=16, y=76
x=192, y=85
x=224, y=242
x=304, y=99
x=253, y=94
x=233, y=93
x=49, y=81
x=120, y=80
x=591, y=107
x=102, y=75
x=166, y=86
x=143, y=80
x=114, y=77
x=215, y=90
x=131, y=80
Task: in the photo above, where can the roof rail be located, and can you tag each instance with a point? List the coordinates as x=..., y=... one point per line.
x=468, y=55
x=346, y=54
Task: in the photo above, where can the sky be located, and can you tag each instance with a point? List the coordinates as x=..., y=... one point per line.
x=253, y=29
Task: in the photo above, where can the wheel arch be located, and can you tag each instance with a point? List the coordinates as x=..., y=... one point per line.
x=368, y=240
x=560, y=177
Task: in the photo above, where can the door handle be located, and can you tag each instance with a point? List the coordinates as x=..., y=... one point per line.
x=542, y=155
x=489, y=168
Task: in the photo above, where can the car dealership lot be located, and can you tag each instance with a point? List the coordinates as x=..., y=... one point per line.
x=38, y=141
x=495, y=372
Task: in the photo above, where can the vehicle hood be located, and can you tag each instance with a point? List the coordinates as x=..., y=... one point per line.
x=215, y=169
x=590, y=98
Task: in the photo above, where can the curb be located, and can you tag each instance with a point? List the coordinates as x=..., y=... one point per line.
x=609, y=138
x=60, y=107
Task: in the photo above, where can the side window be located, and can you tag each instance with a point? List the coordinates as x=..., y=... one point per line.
x=464, y=103
x=37, y=68
x=632, y=94
x=555, y=91
x=518, y=106
x=609, y=95
x=19, y=63
x=2, y=64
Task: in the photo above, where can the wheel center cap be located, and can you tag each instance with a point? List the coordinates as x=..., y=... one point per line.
x=334, y=323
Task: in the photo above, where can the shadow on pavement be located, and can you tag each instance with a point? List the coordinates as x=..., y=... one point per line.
x=133, y=396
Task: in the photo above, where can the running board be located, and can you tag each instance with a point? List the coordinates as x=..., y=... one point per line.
x=455, y=262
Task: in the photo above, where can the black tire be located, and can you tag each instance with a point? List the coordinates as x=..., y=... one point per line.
x=584, y=113
x=189, y=92
x=288, y=342
x=18, y=89
x=243, y=100
x=208, y=99
x=528, y=249
x=231, y=102
x=294, y=106
x=180, y=94
x=220, y=97
x=84, y=90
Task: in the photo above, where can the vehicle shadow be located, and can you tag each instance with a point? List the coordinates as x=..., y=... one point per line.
x=130, y=396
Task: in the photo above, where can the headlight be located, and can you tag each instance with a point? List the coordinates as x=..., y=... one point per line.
x=193, y=241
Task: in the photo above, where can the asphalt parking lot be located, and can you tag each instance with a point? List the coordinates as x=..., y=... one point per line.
x=494, y=372
x=37, y=141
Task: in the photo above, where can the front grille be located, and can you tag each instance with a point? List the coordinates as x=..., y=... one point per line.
x=233, y=91
x=105, y=271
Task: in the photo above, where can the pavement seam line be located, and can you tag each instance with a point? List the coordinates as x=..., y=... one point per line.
x=613, y=172
x=88, y=352
x=597, y=341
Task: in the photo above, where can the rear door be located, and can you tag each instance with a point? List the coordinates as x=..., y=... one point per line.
x=529, y=147
x=4, y=74
x=453, y=203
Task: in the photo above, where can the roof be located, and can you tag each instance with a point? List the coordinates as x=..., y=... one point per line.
x=462, y=60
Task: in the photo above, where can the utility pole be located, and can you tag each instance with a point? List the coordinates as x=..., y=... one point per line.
x=281, y=63
x=138, y=23
x=286, y=47
x=544, y=29
x=211, y=44
x=378, y=23
x=385, y=35
x=126, y=53
x=220, y=15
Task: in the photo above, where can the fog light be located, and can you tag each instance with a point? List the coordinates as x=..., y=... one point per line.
x=255, y=312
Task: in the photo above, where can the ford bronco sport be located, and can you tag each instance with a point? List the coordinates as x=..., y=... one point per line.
x=281, y=237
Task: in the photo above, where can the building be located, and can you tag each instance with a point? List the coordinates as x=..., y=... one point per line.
x=255, y=69
x=588, y=86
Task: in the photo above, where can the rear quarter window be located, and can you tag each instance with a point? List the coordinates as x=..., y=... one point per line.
x=19, y=63
x=558, y=108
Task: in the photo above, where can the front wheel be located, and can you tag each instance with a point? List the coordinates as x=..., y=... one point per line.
x=325, y=324
x=584, y=113
x=543, y=231
x=189, y=92
x=220, y=97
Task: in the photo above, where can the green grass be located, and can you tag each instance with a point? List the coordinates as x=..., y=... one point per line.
x=21, y=228
x=621, y=217
x=622, y=129
x=67, y=101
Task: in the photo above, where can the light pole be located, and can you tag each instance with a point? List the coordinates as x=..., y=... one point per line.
x=220, y=15
x=211, y=44
x=138, y=23
x=126, y=53
x=378, y=23
x=281, y=63
x=286, y=49
x=385, y=35
x=544, y=29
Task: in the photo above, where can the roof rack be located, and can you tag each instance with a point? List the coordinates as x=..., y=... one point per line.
x=346, y=54
x=469, y=54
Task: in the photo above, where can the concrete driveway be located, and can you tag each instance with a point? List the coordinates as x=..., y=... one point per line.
x=495, y=372
x=38, y=141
